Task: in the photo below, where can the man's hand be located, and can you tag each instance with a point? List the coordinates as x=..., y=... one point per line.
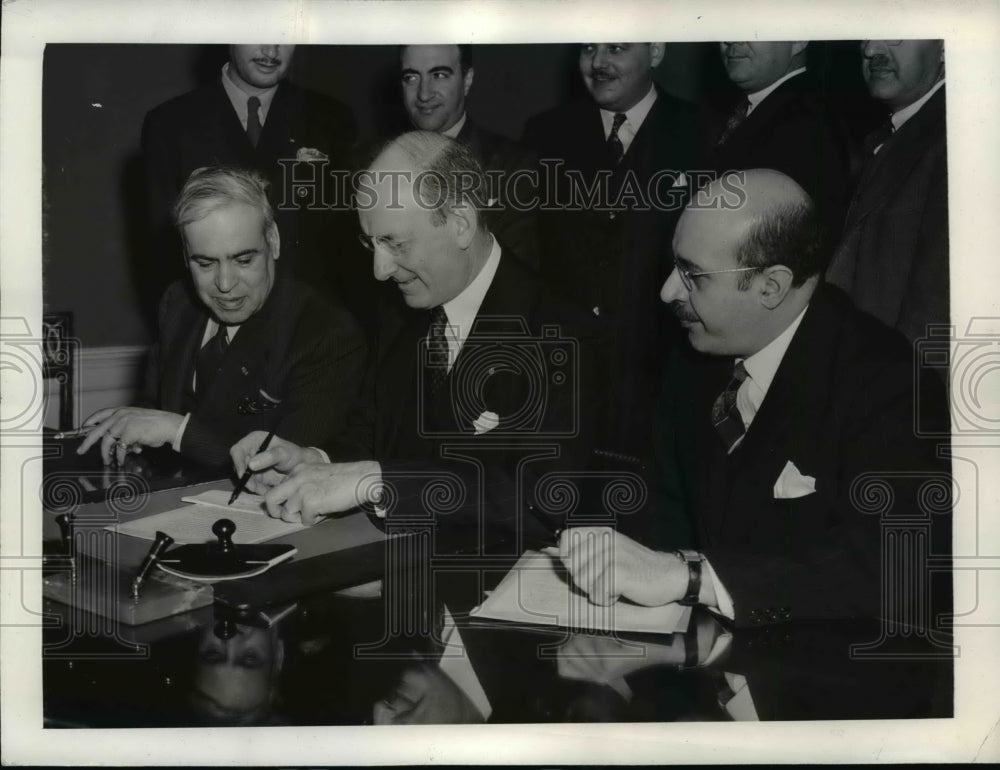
x=272, y=466
x=128, y=429
x=606, y=565
x=314, y=489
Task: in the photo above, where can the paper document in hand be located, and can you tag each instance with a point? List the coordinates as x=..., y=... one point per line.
x=538, y=590
x=193, y=523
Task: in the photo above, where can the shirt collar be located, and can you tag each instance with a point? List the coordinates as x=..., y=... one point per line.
x=763, y=365
x=456, y=129
x=463, y=309
x=239, y=97
x=758, y=96
x=634, y=116
x=900, y=117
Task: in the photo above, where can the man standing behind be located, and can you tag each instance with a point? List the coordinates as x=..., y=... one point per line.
x=249, y=348
x=893, y=255
x=788, y=440
x=779, y=120
x=251, y=117
x=436, y=80
x=610, y=249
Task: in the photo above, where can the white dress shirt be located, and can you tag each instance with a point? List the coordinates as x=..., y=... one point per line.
x=633, y=119
x=463, y=309
x=456, y=129
x=238, y=97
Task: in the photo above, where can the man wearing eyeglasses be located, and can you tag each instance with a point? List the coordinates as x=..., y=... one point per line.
x=789, y=412
x=893, y=254
x=481, y=381
x=243, y=345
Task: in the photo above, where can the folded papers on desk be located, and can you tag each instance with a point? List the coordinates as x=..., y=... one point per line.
x=539, y=591
x=193, y=523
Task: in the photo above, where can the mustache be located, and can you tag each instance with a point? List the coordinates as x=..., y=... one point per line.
x=880, y=62
x=682, y=312
x=601, y=73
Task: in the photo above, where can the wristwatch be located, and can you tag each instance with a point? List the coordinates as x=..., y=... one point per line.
x=693, y=559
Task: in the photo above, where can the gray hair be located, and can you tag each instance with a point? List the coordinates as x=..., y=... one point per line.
x=211, y=188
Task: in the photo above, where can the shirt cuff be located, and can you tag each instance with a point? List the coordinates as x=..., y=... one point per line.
x=324, y=455
x=176, y=443
x=724, y=602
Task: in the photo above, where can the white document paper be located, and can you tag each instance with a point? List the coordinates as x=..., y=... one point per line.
x=539, y=591
x=193, y=523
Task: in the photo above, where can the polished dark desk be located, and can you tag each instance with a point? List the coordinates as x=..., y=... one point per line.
x=308, y=653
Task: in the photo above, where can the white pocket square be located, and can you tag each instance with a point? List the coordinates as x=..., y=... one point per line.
x=791, y=483
x=486, y=422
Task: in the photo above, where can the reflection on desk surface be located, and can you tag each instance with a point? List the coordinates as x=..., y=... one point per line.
x=72, y=478
x=332, y=659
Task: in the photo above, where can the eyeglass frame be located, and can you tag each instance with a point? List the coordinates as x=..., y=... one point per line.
x=395, y=248
x=687, y=276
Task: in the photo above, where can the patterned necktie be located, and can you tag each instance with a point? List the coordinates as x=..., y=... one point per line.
x=210, y=359
x=726, y=417
x=253, y=120
x=878, y=137
x=437, y=350
x=614, y=142
x=739, y=114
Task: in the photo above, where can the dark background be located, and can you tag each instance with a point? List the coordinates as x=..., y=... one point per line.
x=95, y=97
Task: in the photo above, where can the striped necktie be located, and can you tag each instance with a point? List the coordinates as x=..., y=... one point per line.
x=726, y=417
x=614, y=141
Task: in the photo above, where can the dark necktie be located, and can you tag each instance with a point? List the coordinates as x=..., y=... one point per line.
x=738, y=115
x=878, y=137
x=614, y=142
x=210, y=359
x=437, y=350
x=725, y=416
x=253, y=120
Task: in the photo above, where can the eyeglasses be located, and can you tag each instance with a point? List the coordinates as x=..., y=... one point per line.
x=395, y=248
x=687, y=276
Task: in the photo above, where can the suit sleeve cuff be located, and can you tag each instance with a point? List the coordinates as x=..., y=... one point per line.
x=176, y=443
x=324, y=455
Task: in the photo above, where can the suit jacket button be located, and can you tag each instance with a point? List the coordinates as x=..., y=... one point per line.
x=597, y=310
x=612, y=215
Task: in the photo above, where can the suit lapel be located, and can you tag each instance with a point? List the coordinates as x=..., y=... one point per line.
x=798, y=389
x=886, y=171
x=396, y=388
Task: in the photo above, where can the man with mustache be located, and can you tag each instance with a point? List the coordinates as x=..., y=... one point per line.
x=779, y=119
x=613, y=185
x=243, y=345
x=251, y=116
x=893, y=254
x=436, y=80
x=789, y=409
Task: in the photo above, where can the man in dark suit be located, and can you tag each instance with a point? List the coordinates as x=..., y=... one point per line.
x=244, y=346
x=786, y=437
x=779, y=120
x=893, y=254
x=478, y=387
x=436, y=80
x=252, y=117
x=613, y=186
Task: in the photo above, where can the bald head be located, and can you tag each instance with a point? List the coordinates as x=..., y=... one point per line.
x=749, y=254
x=419, y=211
